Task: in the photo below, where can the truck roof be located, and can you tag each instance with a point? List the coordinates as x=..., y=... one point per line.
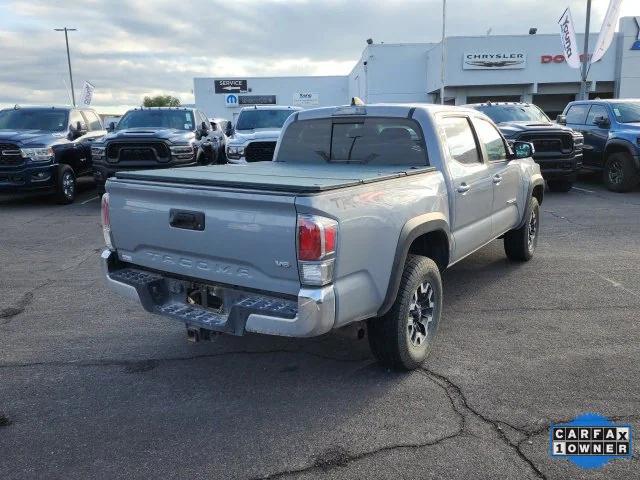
x=378, y=109
x=270, y=107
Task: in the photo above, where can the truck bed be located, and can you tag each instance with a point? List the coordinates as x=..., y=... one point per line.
x=276, y=176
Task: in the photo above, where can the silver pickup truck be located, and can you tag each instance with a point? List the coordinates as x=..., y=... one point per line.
x=360, y=211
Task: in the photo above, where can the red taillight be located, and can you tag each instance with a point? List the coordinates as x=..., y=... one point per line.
x=317, y=237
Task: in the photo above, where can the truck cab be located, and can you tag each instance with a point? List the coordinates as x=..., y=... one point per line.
x=257, y=129
x=46, y=148
x=611, y=130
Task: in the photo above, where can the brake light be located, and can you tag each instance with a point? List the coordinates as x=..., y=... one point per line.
x=106, y=222
x=317, y=240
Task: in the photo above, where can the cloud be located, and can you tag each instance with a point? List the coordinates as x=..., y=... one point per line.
x=132, y=48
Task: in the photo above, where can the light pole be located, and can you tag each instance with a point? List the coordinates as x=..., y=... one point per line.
x=585, y=56
x=443, y=55
x=66, y=39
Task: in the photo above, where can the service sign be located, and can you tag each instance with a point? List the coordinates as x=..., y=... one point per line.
x=498, y=60
x=230, y=86
x=306, y=99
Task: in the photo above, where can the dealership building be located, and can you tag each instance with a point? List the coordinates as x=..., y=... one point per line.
x=528, y=68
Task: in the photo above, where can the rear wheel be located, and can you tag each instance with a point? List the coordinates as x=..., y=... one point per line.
x=520, y=244
x=403, y=337
x=66, y=185
x=620, y=173
x=561, y=186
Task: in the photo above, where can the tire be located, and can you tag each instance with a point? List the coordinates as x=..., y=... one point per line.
x=561, y=186
x=65, y=185
x=520, y=244
x=400, y=339
x=619, y=173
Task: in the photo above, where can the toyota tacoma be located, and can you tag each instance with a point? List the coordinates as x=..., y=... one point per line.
x=361, y=210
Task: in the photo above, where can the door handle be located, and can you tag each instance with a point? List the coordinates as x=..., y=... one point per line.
x=497, y=178
x=463, y=188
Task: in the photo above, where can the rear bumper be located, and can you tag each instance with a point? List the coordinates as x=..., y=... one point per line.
x=28, y=178
x=311, y=314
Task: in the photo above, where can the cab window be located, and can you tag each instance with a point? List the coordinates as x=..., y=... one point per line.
x=577, y=114
x=74, y=117
x=490, y=137
x=460, y=140
x=93, y=120
x=595, y=112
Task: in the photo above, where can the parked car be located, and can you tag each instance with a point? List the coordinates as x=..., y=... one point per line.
x=558, y=149
x=46, y=148
x=222, y=129
x=159, y=137
x=611, y=130
x=354, y=220
x=256, y=133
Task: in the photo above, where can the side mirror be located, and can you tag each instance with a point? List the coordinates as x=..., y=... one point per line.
x=523, y=149
x=111, y=127
x=229, y=130
x=561, y=119
x=602, y=121
x=204, y=130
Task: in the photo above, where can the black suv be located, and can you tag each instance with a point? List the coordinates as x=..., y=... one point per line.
x=162, y=137
x=46, y=148
x=558, y=149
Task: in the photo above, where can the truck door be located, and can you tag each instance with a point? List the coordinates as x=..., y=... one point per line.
x=505, y=176
x=471, y=187
x=596, y=135
x=576, y=119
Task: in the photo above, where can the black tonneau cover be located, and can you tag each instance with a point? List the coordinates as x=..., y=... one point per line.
x=278, y=176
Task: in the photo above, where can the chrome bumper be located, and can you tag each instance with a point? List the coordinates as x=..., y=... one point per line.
x=315, y=314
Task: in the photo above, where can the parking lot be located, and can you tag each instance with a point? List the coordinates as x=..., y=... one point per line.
x=91, y=386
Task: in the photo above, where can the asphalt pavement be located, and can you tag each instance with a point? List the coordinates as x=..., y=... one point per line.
x=91, y=386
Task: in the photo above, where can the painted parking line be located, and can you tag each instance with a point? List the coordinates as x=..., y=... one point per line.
x=90, y=200
x=583, y=190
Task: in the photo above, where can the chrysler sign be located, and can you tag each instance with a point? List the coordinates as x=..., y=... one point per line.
x=494, y=60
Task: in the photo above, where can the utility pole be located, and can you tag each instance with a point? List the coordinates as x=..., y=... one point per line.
x=66, y=39
x=584, y=94
x=443, y=56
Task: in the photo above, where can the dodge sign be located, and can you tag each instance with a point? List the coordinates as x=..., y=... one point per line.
x=494, y=60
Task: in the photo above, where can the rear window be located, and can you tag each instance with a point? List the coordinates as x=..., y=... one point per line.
x=370, y=140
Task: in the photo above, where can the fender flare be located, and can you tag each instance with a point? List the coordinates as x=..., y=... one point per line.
x=627, y=145
x=412, y=229
x=537, y=181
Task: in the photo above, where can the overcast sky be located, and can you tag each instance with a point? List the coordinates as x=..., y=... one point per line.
x=132, y=48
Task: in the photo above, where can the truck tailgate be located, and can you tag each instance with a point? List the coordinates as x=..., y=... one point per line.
x=240, y=238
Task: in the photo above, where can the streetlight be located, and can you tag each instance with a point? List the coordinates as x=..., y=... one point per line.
x=443, y=53
x=66, y=39
x=584, y=94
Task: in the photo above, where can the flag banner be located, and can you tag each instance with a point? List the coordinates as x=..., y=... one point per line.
x=87, y=94
x=568, y=37
x=608, y=30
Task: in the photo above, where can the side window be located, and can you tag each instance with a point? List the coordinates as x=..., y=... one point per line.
x=203, y=118
x=491, y=139
x=460, y=140
x=596, y=111
x=75, y=117
x=93, y=120
x=577, y=114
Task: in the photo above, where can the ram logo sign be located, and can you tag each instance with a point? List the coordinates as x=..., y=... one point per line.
x=494, y=60
x=306, y=99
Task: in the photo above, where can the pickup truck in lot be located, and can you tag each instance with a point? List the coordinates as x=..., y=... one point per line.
x=354, y=220
x=611, y=130
x=159, y=137
x=257, y=129
x=558, y=148
x=46, y=149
